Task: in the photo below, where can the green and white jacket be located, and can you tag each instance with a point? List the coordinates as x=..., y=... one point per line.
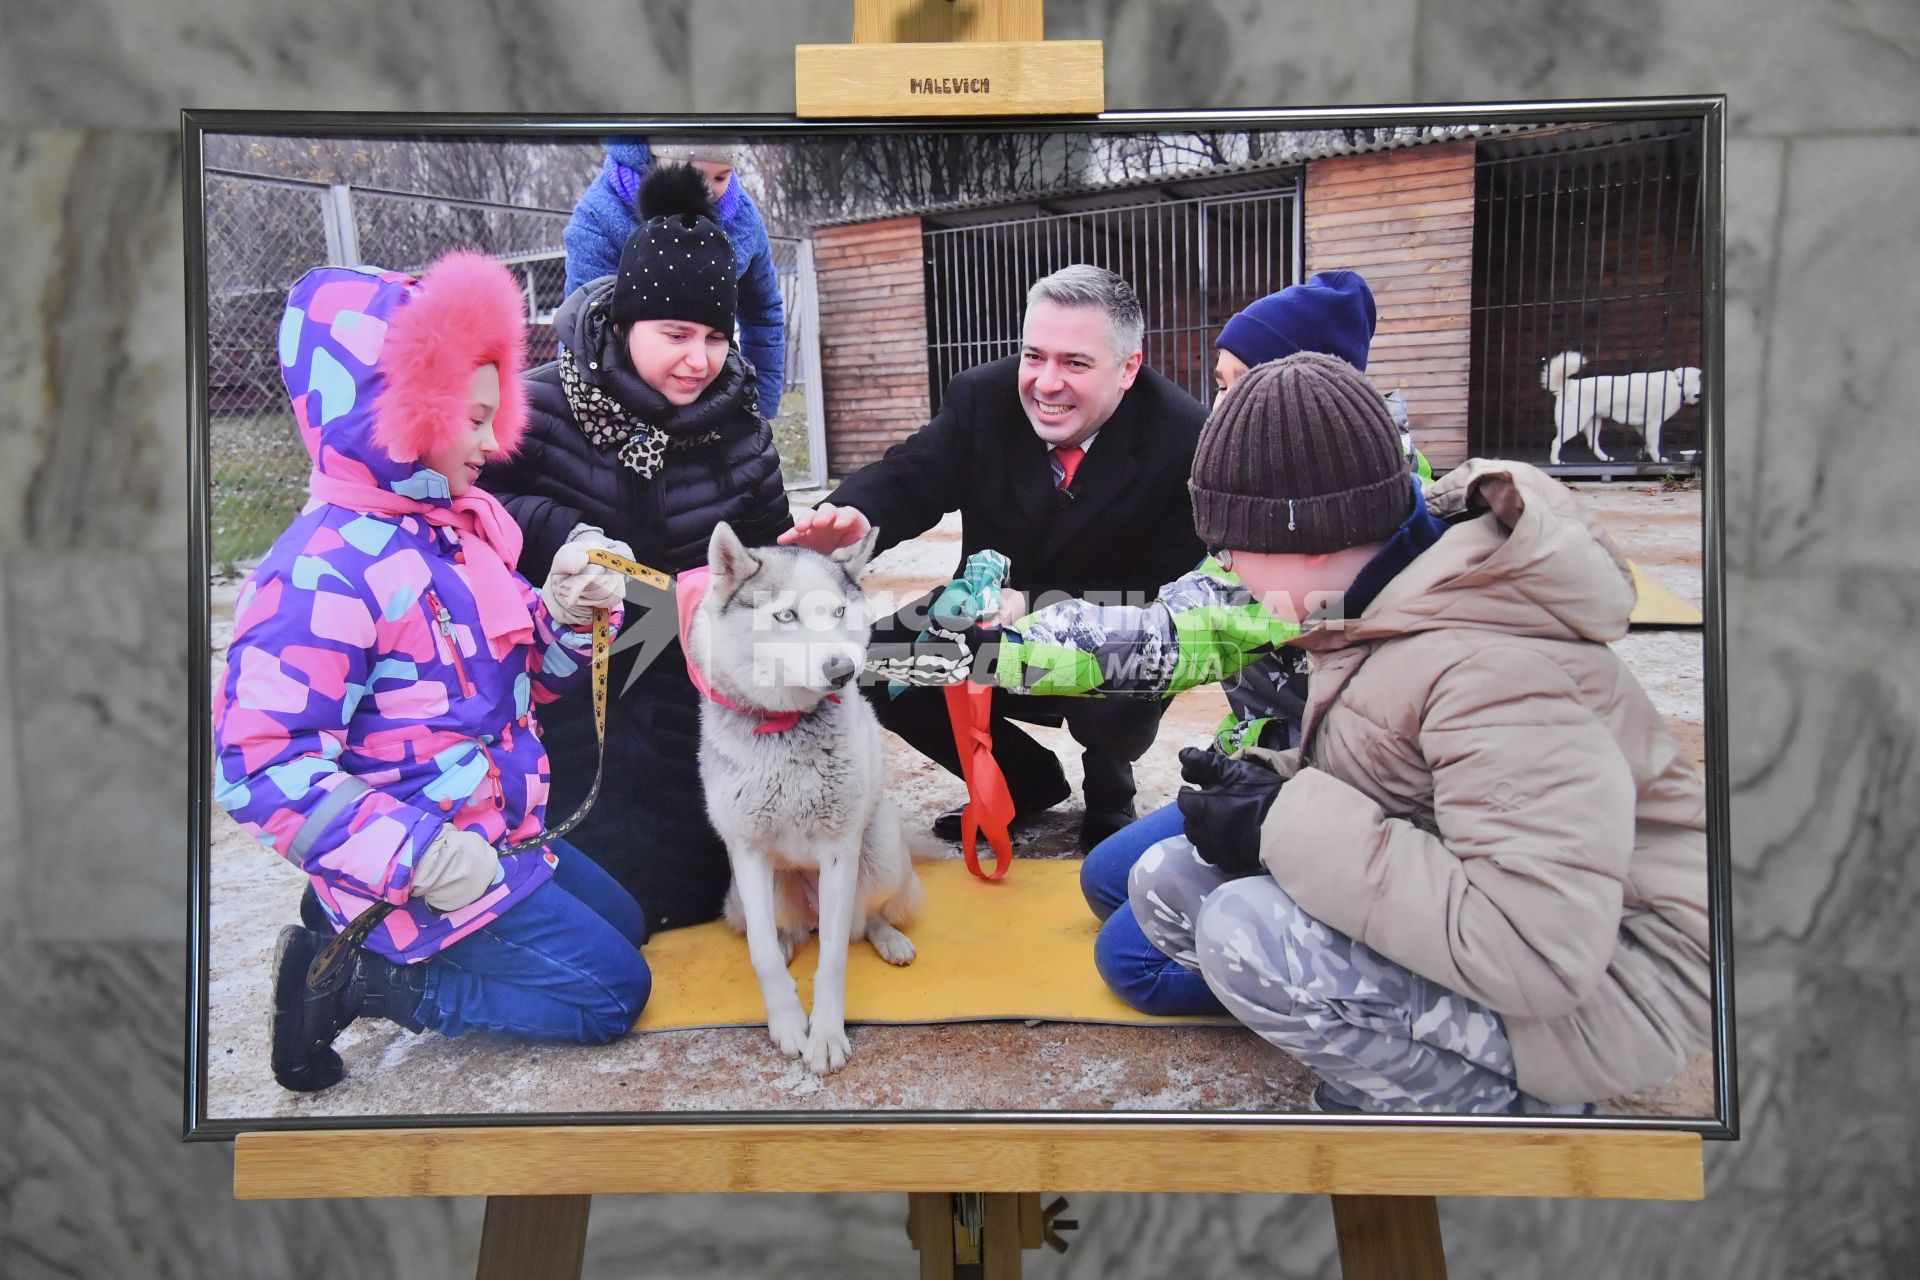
x=1203, y=628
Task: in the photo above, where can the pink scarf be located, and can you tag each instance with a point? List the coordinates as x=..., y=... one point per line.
x=488, y=536
x=690, y=588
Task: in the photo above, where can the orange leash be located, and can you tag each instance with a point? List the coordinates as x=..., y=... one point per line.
x=989, y=803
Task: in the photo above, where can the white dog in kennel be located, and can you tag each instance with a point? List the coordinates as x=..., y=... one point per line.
x=1643, y=400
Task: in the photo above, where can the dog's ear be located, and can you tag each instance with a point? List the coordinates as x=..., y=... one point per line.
x=854, y=558
x=729, y=560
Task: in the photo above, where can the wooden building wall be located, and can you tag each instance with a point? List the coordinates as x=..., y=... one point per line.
x=873, y=338
x=1404, y=220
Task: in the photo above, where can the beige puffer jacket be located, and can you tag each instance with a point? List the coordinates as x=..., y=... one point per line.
x=1491, y=799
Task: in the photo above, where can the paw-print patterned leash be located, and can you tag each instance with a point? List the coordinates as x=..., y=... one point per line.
x=329, y=968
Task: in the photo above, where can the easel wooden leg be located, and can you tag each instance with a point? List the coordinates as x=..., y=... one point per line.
x=1389, y=1238
x=533, y=1238
x=972, y=1237
x=1000, y=1238
x=930, y=1228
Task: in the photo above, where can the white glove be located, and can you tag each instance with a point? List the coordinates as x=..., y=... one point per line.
x=934, y=658
x=457, y=868
x=576, y=587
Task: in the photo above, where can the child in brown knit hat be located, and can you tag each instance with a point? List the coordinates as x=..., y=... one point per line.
x=1301, y=478
x=1479, y=883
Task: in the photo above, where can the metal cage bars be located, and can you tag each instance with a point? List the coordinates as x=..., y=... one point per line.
x=1594, y=251
x=1244, y=246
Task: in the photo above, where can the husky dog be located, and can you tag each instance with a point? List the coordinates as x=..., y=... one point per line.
x=793, y=767
x=1644, y=400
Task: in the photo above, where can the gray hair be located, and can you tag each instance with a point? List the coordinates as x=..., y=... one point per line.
x=1082, y=285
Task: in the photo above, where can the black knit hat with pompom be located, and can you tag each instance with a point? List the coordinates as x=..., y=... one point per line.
x=678, y=263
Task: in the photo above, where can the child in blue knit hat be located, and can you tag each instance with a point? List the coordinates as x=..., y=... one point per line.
x=1332, y=313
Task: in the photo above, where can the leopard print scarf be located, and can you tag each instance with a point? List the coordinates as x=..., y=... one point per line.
x=609, y=426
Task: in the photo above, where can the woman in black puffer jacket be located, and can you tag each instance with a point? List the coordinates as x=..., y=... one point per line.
x=646, y=431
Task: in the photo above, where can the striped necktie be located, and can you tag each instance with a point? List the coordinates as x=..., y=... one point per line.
x=1065, y=461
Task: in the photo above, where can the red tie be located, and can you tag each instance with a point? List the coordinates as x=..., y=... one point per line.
x=1068, y=456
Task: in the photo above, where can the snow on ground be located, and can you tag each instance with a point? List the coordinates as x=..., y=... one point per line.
x=963, y=1066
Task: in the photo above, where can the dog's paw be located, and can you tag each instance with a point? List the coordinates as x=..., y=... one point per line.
x=790, y=944
x=787, y=1028
x=827, y=1048
x=894, y=946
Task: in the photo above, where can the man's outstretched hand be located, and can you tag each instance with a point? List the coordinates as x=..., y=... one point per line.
x=826, y=528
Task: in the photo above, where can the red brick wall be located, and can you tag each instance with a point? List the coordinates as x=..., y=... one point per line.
x=873, y=338
x=1404, y=220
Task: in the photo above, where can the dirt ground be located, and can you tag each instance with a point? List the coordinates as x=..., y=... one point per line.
x=953, y=1067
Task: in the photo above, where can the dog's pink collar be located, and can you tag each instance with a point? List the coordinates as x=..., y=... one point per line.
x=689, y=589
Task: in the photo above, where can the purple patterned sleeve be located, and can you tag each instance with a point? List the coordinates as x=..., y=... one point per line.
x=301, y=664
x=562, y=657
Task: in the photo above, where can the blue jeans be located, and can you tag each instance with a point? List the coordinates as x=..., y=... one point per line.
x=1136, y=970
x=563, y=963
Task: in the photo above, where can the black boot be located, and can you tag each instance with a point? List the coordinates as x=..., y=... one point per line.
x=1322, y=1100
x=947, y=825
x=305, y=1022
x=1098, y=824
x=312, y=914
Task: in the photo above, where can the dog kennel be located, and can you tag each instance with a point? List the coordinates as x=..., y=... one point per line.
x=1587, y=239
x=1488, y=252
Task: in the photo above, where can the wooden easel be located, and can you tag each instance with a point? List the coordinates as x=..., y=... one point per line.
x=949, y=58
x=959, y=58
x=1383, y=1179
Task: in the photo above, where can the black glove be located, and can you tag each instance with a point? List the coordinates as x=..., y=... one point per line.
x=1222, y=818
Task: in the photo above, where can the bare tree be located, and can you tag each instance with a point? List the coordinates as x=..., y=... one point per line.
x=800, y=185
x=414, y=198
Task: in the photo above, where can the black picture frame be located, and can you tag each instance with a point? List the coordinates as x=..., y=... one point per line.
x=1708, y=110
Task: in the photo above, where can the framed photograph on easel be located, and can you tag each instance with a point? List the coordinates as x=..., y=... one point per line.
x=1351, y=473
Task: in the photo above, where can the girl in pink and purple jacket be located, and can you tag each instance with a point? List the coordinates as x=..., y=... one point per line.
x=376, y=721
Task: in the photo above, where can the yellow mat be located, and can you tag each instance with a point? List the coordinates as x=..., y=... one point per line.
x=1658, y=607
x=1020, y=948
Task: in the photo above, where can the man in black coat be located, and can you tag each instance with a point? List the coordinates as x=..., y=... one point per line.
x=1071, y=460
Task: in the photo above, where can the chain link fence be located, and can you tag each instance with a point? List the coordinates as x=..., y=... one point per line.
x=790, y=418
x=263, y=234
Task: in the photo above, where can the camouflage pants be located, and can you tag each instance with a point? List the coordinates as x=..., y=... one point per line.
x=1381, y=1036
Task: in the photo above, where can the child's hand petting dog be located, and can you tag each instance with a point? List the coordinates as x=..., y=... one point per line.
x=1222, y=818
